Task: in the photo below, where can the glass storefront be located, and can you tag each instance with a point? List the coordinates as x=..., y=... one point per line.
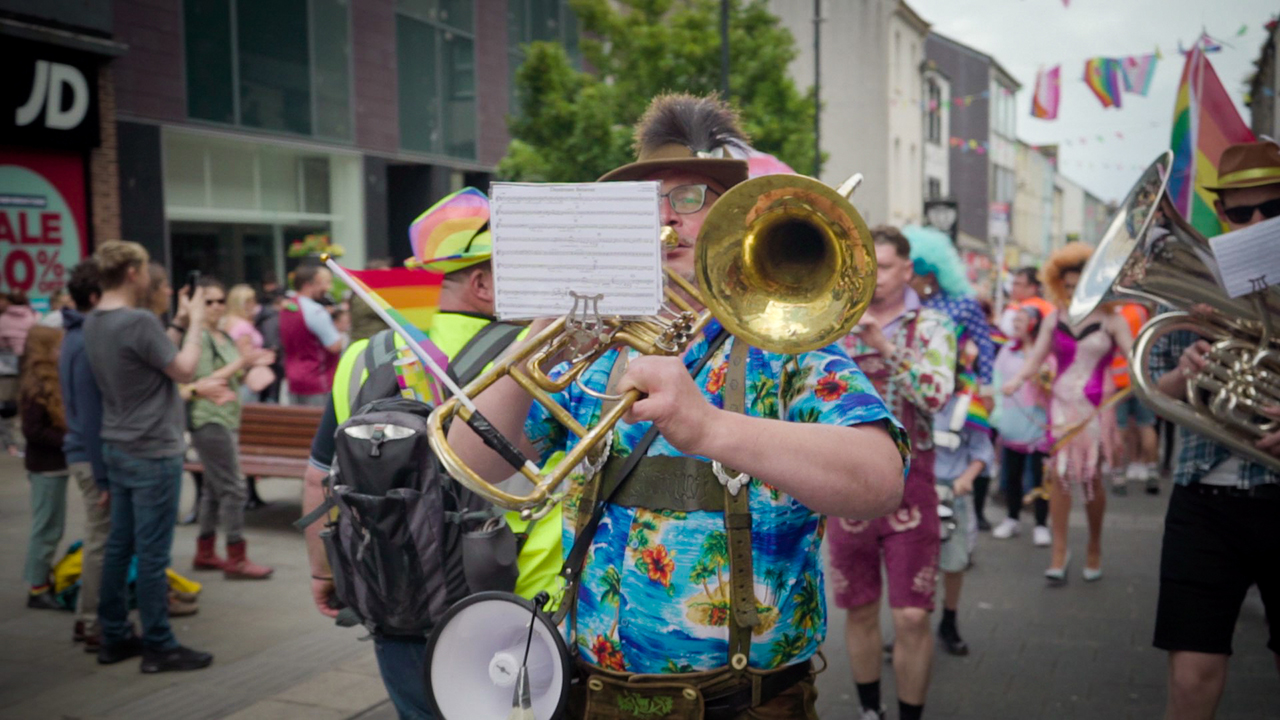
x=233, y=206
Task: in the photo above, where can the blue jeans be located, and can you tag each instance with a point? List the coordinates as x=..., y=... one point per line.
x=144, y=508
x=403, y=667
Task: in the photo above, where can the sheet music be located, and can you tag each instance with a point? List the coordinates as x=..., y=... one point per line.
x=1248, y=259
x=589, y=238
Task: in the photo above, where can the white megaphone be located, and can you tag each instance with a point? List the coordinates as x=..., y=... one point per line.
x=496, y=656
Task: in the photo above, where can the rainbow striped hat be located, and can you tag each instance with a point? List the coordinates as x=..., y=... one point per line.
x=453, y=234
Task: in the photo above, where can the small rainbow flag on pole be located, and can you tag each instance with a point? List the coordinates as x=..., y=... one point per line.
x=1100, y=74
x=406, y=300
x=1205, y=122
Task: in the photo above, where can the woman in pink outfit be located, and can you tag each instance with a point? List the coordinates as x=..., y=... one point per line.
x=1083, y=353
x=15, y=322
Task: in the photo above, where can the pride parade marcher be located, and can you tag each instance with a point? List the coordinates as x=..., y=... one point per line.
x=909, y=352
x=1221, y=534
x=655, y=615
x=453, y=238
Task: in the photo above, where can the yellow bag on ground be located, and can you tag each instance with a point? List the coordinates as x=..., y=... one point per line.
x=182, y=584
x=67, y=571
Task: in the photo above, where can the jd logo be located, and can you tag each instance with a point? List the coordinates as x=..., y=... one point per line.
x=51, y=81
x=645, y=707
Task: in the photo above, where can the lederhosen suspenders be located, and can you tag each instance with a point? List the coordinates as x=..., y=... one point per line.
x=683, y=484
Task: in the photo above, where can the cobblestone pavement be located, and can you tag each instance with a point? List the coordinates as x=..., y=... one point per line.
x=1079, y=651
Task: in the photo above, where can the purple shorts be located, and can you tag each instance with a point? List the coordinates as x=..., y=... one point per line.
x=909, y=539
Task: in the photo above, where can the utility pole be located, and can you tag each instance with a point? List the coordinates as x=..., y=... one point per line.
x=724, y=50
x=817, y=86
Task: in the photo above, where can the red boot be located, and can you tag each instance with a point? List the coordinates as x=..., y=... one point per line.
x=238, y=567
x=207, y=554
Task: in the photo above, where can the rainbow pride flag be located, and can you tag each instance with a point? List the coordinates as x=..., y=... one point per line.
x=1102, y=77
x=1044, y=103
x=1205, y=122
x=979, y=416
x=410, y=298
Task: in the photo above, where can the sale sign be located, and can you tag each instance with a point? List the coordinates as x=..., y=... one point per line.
x=42, y=221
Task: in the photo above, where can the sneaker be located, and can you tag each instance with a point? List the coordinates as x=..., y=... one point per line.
x=1042, y=537
x=1152, y=480
x=1007, y=528
x=880, y=714
x=1133, y=473
x=983, y=525
x=177, y=658
x=43, y=601
x=112, y=653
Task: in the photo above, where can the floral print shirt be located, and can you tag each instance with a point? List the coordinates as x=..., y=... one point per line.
x=925, y=371
x=971, y=324
x=654, y=592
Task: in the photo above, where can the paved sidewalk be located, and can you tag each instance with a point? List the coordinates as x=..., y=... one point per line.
x=275, y=656
x=1080, y=651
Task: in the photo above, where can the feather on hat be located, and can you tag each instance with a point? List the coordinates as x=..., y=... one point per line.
x=689, y=133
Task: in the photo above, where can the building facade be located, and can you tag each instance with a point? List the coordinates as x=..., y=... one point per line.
x=937, y=132
x=59, y=189
x=1264, y=88
x=244, y=126
x=1033, y=206
x=983, y=151
x=871, y=89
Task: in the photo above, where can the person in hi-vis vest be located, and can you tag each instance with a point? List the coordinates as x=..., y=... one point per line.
x=464, y=324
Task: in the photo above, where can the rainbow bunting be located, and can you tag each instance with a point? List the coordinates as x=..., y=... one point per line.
x=1205, y=122
x=1044, y=103
x=1100, y=74
x=410, y=298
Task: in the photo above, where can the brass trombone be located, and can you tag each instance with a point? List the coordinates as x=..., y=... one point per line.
x=784, y=262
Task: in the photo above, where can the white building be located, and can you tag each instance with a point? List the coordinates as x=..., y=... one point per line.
x=871, y=123
x=1071, y=225
x=1032, y=237
x=937, y=132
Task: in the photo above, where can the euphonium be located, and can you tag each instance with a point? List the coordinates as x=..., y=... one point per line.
x=784, y=262
x=1150, y=251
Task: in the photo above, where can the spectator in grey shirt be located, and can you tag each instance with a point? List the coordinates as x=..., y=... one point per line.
x=137, y=367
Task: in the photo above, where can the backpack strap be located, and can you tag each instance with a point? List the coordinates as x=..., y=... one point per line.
x=483, y=347
x=378, y=359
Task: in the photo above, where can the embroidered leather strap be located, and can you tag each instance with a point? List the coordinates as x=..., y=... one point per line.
x=737, y=525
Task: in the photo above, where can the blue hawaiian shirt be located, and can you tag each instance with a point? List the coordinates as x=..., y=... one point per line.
x=654, y=593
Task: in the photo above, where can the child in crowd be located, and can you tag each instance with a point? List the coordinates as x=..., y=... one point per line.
x=43, y=425
x=963, y=452
x=1022, y=419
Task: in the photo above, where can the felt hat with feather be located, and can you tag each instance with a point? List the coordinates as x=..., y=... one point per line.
x=689, y=133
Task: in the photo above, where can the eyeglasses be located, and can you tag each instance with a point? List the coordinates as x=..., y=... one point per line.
x=219, y=301
x=1244, y=213
x=687, y=199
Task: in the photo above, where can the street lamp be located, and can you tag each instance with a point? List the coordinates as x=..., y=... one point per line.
x=942, y=214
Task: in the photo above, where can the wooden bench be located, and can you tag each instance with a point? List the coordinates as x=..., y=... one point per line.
x=275, y=440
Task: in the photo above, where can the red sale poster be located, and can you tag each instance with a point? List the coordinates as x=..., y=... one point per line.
x=43, y=232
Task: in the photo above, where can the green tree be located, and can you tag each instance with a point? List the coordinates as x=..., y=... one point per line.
x=808, y=610
x=788, y=647
x=573, y=125
x=714, y=556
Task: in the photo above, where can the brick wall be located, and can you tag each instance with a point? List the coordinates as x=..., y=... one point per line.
x=491, y=81
x=149, y=77
x=373, y=43
x=104, y=166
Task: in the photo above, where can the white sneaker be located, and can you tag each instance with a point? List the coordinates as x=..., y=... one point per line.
x=1007, y=528
x=1042, y=537
x=1134, y=473
x=873, y=714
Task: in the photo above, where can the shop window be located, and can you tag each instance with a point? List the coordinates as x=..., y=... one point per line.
x=933, y=118
x=278, y=65
x=438, y=98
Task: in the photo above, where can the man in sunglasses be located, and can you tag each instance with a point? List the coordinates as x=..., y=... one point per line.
x=1221, y=534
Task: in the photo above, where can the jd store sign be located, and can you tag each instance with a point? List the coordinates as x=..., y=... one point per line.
x=48, y=97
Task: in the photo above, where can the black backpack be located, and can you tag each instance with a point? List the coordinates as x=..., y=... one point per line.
x=403, y=527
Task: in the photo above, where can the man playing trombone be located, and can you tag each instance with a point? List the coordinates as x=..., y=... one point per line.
x=702, y=591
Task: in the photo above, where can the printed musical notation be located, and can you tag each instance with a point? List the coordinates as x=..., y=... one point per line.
x=553, y=239
x=1248, y=259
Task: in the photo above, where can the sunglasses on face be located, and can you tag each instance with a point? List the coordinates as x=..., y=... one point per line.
x=1244, y=213
x=687, y=199
x=219, y=301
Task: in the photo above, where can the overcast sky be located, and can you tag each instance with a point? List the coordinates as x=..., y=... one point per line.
x=1024, y=35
